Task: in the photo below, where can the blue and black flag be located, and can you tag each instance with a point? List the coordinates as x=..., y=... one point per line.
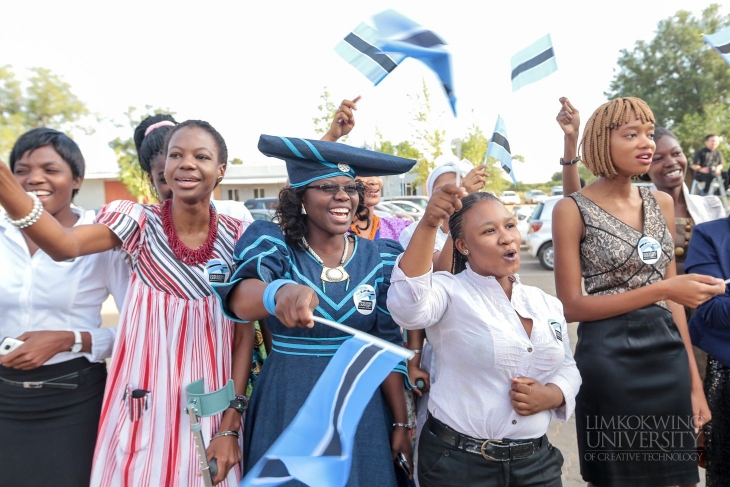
x=499, y=148
x=534, y=63
x=720, y=41
x=378, y=49
x=316, y=448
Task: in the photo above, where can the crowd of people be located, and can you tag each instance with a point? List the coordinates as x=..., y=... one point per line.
x=206, y=292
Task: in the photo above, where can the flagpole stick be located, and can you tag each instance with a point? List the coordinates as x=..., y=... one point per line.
x=367, y=337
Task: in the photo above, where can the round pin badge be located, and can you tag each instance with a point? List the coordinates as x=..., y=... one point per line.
x=364, y=298
x=217, y=271
x=650, y=251
x=343, y=167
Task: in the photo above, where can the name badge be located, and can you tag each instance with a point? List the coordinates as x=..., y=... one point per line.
x=650, y=251
x=217, y=271
x=364, y=298
x=557, y=329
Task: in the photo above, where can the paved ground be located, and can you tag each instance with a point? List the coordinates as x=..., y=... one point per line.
x=561, y=435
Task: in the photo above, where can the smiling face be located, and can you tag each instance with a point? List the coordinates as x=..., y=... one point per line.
x=192, y=167
x=669, y=164
x=157, y=177
x=331, y=214
x=373, y=189
x=44, y=172
x=632, y=147
x=489, y=234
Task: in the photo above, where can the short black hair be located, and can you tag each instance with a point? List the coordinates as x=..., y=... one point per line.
x=707, y=137
x=61, y=143
x=219, y=141
x=153, y=144
x=660, y=132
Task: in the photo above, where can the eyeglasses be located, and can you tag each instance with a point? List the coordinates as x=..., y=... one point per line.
x=332, y=189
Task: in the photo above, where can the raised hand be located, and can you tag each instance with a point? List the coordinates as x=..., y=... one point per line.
x=475, y=180
x=343, y=121
x=568, y=117
x=444, y=202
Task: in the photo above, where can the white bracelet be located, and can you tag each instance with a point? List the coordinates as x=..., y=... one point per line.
x=30, y=218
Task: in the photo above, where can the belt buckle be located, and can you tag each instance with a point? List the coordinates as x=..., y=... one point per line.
x=32, y=385
x=484, y=450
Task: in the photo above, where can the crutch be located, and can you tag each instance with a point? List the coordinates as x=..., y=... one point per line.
x=202, y=405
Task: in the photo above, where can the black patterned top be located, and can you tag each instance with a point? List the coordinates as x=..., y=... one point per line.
x=609, y=254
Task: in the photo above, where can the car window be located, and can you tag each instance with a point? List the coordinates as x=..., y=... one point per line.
x=538, y=211
x=405, y=206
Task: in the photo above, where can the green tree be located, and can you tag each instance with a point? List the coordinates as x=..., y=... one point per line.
x=46, y=100
x=325, y=113
x=429, y=138
x=130, y=172
x=684, y=81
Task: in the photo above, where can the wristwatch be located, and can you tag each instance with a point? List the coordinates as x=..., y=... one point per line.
x=239, y=403
x=76, y=348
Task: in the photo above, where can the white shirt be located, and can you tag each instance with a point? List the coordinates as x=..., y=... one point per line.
x=703, y=208
x=232, y=208
x=480, y=345
x=38, y=293
x=407, y=234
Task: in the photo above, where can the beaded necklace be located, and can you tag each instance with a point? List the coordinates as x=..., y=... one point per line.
x=688, y=224
x=188, y=256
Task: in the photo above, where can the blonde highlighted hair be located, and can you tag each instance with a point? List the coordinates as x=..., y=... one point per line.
x=595, y=146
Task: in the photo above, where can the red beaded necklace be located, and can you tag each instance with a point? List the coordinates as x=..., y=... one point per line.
x=202, y=254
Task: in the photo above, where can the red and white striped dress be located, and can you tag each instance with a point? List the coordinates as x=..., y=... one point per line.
x=171, y=332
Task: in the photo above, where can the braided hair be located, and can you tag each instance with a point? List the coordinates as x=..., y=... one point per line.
x=153, y=144
x=458, y=261
x=595, y=146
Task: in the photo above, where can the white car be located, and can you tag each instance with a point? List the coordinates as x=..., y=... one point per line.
x=540, y=236
x=522, y=215
x=510, y=198
x=413, y=209
x=535, y=196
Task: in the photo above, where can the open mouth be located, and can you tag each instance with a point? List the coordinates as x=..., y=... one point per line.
x=187, y=182
x=41, y=194
x=369, y=193
x=341, y=214
x=674, y=174
x=510, y=255
x=645, y=157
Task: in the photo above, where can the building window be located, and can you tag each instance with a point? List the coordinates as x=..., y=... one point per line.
x=410, y=190
x=233, y=194
x=258, y=193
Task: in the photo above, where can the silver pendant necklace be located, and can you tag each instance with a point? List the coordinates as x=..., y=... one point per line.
x=330, y=274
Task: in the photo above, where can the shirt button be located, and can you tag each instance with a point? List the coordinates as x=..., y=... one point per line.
x=514, y=421
x=529, y=349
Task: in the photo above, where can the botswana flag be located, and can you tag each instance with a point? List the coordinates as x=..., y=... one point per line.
x=316, y=448
x=499, y=148
x=720, y=41
x=533, y=63
x=376, y=51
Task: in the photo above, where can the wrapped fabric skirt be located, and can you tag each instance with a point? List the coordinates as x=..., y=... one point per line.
x=634, y=410
x=48, y=433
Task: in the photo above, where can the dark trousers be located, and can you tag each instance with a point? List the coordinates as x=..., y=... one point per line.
x=441, y=465
x=47, y=436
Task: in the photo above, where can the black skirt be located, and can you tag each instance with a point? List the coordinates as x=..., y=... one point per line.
x=48, y=435
x=634, y=410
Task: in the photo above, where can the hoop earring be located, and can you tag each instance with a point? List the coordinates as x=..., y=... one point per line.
x=304, y=210
x=466, y=251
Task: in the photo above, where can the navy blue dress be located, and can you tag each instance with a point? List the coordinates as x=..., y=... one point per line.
x=299, y=356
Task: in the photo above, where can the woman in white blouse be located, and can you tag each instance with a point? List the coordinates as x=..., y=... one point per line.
x=503, y=362
x=51, y=386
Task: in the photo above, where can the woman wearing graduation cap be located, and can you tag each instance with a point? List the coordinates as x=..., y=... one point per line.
x=308, y=265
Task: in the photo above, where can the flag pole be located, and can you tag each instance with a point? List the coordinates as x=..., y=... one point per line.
x=367, y=337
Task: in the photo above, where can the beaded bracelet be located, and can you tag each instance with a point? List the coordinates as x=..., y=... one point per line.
x=225, y=433
x=30, y=218
x=403, y=425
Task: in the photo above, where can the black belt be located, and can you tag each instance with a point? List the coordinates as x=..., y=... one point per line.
x=492, y=450
x=66, y=381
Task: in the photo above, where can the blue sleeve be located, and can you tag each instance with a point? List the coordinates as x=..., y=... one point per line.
x=261, y=253
x=703, y=258
x=385, y=327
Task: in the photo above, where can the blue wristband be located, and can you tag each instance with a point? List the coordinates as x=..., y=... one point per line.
x=270, y=294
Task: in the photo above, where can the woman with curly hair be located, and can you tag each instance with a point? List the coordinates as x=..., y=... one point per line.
x=309, y=265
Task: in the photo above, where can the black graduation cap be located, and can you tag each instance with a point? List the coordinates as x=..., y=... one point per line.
x=310, y=160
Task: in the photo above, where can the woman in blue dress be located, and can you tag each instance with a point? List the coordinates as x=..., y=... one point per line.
x=307, y=265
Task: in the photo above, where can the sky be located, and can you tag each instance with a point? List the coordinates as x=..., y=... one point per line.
x=260, y=67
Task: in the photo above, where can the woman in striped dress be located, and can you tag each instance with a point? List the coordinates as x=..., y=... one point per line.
x=171, y=329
